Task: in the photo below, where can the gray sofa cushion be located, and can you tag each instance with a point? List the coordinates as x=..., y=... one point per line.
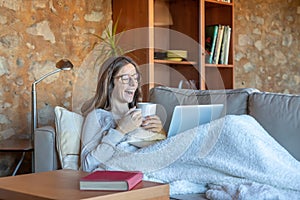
x=279, y=114
x=234, y=100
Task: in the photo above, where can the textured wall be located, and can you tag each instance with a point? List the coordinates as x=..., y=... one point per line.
x=267, y=38
x=34, y=35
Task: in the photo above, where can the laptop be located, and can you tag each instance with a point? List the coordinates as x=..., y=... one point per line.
x=186, y=117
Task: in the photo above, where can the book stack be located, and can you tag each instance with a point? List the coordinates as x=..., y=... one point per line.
x=217, y=42
x=110, y=180
x=176, y=55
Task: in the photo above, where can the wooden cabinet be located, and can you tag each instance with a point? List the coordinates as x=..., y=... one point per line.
x=142, y=35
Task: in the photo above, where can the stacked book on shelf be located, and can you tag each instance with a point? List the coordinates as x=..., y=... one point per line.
x=172, y=55
x=217, y=42
x=176, y=55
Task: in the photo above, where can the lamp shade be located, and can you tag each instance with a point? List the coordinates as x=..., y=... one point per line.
x=64, y=64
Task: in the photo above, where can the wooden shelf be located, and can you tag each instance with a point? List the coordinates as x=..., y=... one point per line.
x=175, y=62
x=218, y=66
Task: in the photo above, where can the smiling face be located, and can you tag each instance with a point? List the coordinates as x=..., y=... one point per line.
x=125, y=85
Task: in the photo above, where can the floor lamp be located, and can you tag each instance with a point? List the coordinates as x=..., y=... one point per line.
x=63, y=64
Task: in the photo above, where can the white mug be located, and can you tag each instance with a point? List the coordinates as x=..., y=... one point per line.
x=147, y=108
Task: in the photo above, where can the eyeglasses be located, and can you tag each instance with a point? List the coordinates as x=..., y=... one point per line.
x=125, y=78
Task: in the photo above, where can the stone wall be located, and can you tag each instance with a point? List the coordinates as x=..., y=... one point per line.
x=34, y=35
x=267, y=51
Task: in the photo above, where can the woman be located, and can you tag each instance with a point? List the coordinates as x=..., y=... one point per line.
x=114, y=109
x=231, y=155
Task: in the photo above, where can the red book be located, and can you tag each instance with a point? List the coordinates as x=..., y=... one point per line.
x=111, y=180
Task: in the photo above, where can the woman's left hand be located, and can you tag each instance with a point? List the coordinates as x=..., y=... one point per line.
x=153, y=123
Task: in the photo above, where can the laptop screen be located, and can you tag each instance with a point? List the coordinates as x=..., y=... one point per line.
x=186, y=117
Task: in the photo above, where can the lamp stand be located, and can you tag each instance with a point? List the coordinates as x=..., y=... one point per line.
x=60, y=65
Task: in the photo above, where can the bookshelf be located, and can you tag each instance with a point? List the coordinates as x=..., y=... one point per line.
x=218, y=76
x=185, y=32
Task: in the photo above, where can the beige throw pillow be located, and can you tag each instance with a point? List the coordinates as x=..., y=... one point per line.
x=68, y=130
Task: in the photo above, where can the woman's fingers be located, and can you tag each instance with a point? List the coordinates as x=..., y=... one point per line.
x=137, y=116
x=152, y=123
x=130, y=121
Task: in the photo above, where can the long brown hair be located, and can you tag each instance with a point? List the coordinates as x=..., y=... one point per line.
x=105, y=85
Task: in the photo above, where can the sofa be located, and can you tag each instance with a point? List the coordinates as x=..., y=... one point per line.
x=279, y=115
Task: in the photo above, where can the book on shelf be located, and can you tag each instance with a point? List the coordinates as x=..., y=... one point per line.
x=211, y=33
x=111, y=180
x=225, y=45
x=218, y=44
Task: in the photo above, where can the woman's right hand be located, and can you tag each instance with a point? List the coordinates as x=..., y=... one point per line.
x=130, y=121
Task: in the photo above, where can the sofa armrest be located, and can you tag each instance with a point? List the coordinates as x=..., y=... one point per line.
x=45, y=154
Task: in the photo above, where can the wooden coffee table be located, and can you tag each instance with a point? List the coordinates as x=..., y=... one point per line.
x=64, y=184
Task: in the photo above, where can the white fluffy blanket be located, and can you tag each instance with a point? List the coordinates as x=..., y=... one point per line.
x=229, y=158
